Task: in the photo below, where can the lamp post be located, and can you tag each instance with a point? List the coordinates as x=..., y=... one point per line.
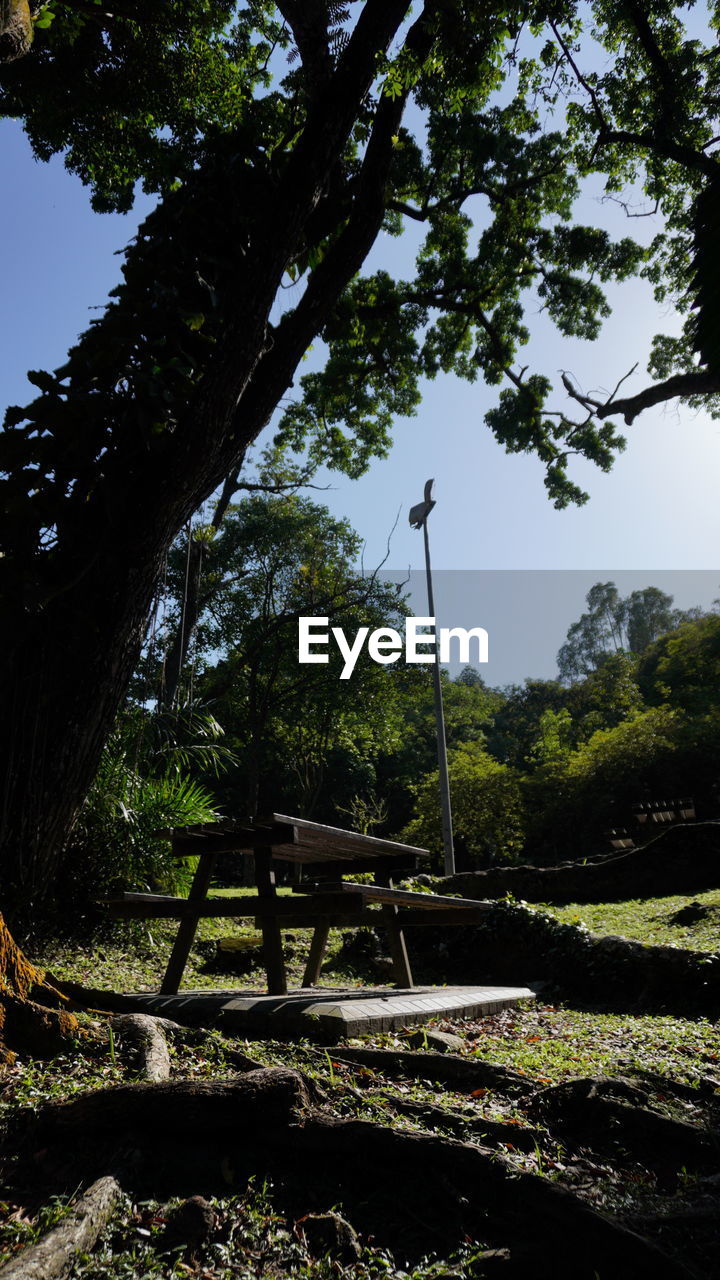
x=418, y=519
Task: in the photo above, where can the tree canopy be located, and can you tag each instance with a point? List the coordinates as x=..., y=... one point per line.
x=282, y=139
x=279, y=558
x=614, y=624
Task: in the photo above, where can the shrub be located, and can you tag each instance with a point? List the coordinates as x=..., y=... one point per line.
x=114, y=845
x=486, y=802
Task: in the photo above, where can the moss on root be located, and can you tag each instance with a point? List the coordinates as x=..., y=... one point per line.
x=32, y=1017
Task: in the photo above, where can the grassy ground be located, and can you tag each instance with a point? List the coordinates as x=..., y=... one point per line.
x=663, y=921
x=255, y=1236
x=132, y=956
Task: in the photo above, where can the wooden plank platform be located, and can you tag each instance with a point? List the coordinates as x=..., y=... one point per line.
x=327, y=1015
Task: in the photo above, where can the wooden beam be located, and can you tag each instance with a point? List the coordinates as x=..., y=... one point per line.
x=188, y=925
x=402, y=973
x=409, y=917
x=350, y=841
x=244, y=840
x=317, y=951
x=297, y=838
x=143, y=906
x=383, y=893
x=340, y=919
x=272, y=937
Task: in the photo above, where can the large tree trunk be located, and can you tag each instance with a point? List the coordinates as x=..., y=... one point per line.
x=193, y=601
x=66, y=682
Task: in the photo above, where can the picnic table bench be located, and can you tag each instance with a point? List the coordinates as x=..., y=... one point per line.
x=325, y=902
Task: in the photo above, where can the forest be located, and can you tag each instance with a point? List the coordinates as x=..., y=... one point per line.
x=161, y=536
x=540, y=772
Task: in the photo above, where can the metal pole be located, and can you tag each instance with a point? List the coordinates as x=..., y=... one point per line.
x=445, y=809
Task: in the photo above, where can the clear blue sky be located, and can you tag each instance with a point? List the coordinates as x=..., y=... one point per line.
x=657, y=510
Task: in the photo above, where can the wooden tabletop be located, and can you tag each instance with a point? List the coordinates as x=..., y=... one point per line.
x=290, y=839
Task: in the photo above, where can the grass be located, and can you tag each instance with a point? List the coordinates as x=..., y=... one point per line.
x=131, y=956
x=556, y=1043
x=650, y=920
x=20, y=1227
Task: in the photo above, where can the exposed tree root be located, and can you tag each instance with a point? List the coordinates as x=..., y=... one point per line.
x=604, y=1114
x=34, y=1018
x=258, y=1102
x=442, y=1068
x=650, y=1080
x=692, y=1216
x=463, y=1123
x=142, y=1039
x=33, y=1029
x=94, y=999
x=53, y=1257
x=271, y=1121
x=571, y=1239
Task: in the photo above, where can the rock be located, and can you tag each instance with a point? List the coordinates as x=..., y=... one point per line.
x=440, y=1041
x=361, y=952
x=190, y=1225
x=328, y=1233
x=538, y=985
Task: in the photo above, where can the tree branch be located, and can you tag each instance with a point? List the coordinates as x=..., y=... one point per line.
x=662, y=70
x=496, y=195
x=646, y=140
x=344, y=257
x=681, y=384
x=308, y=22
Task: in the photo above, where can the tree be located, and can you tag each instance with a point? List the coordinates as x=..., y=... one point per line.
x=515, y=726
x=292, y=177
x=615, y=625
x=682, y=668
x=488, y=814
x=276, y=559
x=609, y=695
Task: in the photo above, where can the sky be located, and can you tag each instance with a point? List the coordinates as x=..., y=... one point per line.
x=527, y=612
x=655, y=512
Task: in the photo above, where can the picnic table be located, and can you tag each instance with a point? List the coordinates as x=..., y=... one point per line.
x=323, y=902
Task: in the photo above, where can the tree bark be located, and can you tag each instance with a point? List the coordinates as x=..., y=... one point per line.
x=16, y=32
x=193, y=603
x=53, y=1257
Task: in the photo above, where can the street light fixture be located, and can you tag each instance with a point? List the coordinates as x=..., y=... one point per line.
x=418, y=519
